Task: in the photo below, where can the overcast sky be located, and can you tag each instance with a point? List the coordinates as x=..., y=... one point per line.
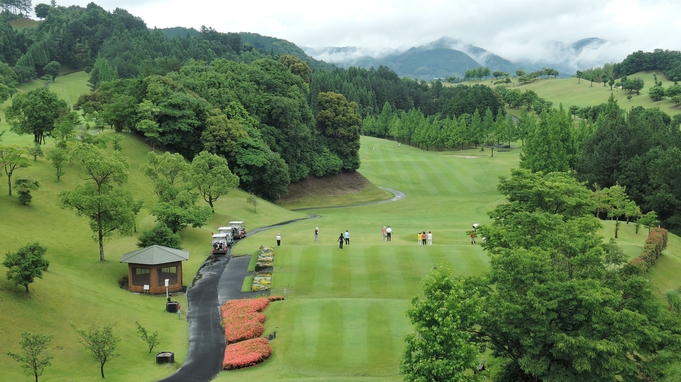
x=513, y=29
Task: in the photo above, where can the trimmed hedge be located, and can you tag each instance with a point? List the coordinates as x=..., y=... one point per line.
x=653, y=248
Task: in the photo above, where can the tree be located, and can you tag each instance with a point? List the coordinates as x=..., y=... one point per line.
x=656, y=93
x=579, y=74
x=550, y=147
x=11, y=158
x=41, y=10
x=24, y=186
x=33, y=359
x=151, y=340
x=160, y=235
x=181, y=212
x=35, y=112
x=252, y=199
x=618, y=204
x=52, y=69
x=491, y=142
x=27, y=263
x=562, y=305
x=101, y=342
x=649, y=219
x=108, y=208
x=36, y=151
x=58, y=157
x=212, y=177
x=441, y=348
x=339, y=121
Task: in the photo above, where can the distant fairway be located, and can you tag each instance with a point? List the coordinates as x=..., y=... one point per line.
x=569, y=92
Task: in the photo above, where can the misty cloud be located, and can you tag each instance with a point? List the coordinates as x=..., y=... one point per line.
x=521, y=30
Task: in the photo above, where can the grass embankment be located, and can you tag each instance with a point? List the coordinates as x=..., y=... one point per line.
x=570, y=91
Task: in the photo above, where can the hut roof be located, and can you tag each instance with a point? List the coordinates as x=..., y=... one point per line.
x=155, y=254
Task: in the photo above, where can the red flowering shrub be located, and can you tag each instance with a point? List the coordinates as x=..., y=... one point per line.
x=243, y=328
x=652, y=250
x=246, y=353
x=243, y=325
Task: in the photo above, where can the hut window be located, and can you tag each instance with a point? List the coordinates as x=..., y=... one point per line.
x=141, y=276
x=169, y=273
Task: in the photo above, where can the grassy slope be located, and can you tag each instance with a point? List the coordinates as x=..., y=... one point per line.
x=80, y=289
x=569, y=92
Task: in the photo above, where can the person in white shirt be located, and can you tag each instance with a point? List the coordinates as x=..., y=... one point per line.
x=430, y=238
x=278, y=239
x=389, y=232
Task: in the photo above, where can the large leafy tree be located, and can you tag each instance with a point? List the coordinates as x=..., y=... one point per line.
x=339, y=121
x=441, y=347
x=35, y=112
x=211, y=176
x=27, y=263
x=107, y=207
x=260, y=170
x=172, y=178
x=562, y=304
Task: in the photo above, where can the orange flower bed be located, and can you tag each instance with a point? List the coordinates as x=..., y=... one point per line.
x=243, y=325
x=246, y=353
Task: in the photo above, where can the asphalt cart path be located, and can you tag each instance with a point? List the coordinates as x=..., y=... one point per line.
x=218, y=280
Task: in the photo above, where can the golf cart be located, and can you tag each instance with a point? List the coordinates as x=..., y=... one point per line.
x=220, y=246
x=238, y=229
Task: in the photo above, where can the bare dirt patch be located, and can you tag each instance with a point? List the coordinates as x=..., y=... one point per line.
x=332, y=185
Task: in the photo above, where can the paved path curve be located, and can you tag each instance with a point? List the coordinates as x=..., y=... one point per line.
x=218, y=280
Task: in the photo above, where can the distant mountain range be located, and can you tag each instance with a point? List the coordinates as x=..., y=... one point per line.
x=442, y=58
x=449, y=57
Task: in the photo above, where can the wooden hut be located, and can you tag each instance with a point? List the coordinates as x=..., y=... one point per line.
x=149, y=267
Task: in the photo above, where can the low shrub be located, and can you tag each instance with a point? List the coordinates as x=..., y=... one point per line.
x=246, y=353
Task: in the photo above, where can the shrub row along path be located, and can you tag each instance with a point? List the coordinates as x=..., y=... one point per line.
x=219, y=280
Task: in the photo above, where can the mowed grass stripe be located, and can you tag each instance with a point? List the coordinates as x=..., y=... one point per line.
x=328, y=354
x=426, y=184
x=381, y=344
x=323, y=269
x=375, y=271
x=342, y=277
x=305, y=275
x=394, y=282
x=361, y=263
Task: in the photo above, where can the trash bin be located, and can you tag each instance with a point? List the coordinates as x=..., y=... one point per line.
x=171, y=306
x=165, y=357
